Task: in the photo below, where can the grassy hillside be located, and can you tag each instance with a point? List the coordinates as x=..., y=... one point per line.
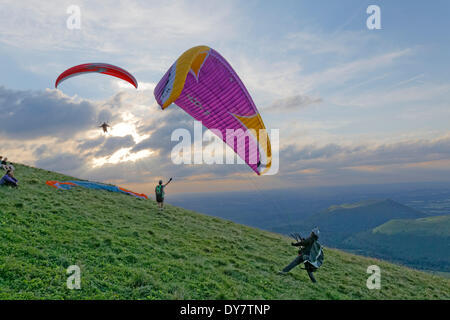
x=422, y=243
x=128, y=250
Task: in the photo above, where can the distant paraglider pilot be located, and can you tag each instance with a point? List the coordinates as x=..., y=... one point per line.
x=105, y=127
x=310, y=253
x=159, y=192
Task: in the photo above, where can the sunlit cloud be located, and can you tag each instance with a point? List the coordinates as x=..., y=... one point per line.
x=122, y=155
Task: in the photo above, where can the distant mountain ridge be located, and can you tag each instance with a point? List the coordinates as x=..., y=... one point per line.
x=432, y=226
x=347, y=219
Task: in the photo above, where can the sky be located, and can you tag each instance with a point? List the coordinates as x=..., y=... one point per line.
x=353, y=105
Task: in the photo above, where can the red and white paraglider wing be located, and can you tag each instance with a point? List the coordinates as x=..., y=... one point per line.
x=98, y=68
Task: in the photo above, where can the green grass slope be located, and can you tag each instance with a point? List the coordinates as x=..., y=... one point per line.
x=126, y=249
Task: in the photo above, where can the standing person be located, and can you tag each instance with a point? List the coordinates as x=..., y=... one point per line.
x=159, y=192
x=9, y=180
x=310, y=254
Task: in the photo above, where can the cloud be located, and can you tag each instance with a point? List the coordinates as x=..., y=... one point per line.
x=41, y=150
x=112, y=144
x=335, y=157
x=423, y=93
x=65, y=163
x=160, y=133
x=341, y=73
x=32, y=115
x=106, y=115
x=293, y=103
x=92, y=143
x=173, y=25
x=331, y=164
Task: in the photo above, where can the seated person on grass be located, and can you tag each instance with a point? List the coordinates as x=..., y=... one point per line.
x=9, y=180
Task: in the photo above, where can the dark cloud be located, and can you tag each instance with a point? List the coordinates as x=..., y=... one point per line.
x=332, y=157
x=160, y=138
x=330, y=165
x=39, y=151
x=64, y=162
x=112, y=144
x=106, y=116
x=414, y=151
x=116, y=101
x=102, y=146
x=292, y=153
x=92, y=143
x=123, y=172
x=31, y=115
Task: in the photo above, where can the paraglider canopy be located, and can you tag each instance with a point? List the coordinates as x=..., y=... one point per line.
x=104, y=68
x=203, y=84
x=67, y=185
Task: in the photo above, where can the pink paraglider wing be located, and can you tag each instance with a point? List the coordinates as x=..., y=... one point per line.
x=202, y=83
